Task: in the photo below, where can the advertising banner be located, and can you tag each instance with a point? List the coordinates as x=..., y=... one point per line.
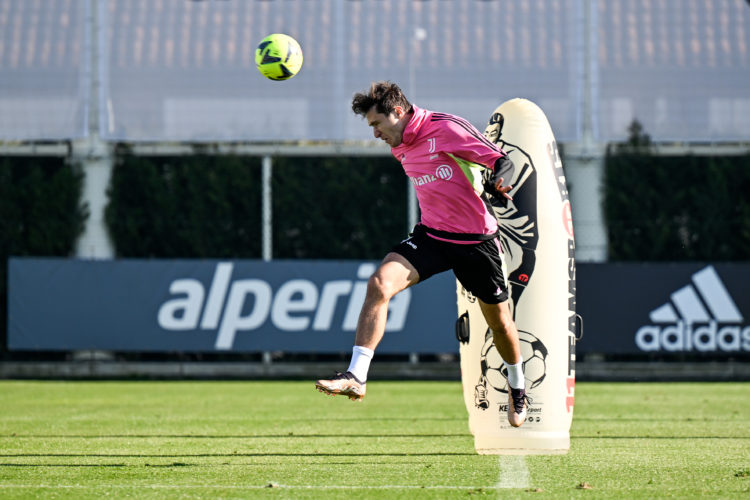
x=313, y=306
x=215, y=306
x=665, y=308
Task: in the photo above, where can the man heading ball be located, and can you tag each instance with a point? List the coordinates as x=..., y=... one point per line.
x=446, y=158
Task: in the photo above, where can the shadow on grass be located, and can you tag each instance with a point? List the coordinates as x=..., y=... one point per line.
x=609, y=436
x=63, y=465
x=327, y=464
x=214, y=455
x=329, y=436
x=231, y=436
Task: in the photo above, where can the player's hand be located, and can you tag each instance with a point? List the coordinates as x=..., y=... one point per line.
x=503, y=190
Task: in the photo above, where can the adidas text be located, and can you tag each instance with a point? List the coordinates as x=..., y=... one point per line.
x=693, y=337
x=700, y=316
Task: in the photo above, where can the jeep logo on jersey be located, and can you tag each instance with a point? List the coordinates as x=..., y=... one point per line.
x=701, y=316
x=296, y=305
x=444, y=172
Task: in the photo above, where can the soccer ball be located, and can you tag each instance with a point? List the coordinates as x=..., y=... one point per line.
x=278, y=57
x=534, y=354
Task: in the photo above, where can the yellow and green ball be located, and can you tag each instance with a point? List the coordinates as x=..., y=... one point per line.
x=278, y=57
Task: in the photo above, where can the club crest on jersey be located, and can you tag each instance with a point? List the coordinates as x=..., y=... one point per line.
x=431, y=142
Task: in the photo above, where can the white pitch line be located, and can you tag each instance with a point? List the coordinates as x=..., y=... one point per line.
x=513, y=472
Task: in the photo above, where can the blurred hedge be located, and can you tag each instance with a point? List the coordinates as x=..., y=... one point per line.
x=661, y=208
x=185, y=207
x=40, y=213
x=656, y=208
x=210, y=207
x=338, y=208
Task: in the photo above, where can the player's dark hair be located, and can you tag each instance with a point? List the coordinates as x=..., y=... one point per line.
x=385, y=96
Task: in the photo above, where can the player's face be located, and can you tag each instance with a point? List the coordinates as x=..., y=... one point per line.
x=389, y=128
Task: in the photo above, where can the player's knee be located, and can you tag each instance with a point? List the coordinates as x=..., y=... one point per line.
x=379, y=287
x=503, y=326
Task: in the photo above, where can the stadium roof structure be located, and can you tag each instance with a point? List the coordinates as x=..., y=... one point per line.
x=184, y=71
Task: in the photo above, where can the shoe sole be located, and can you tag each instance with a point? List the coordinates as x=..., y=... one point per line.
x=520, y=419
x=335, y=392
x=518, y=424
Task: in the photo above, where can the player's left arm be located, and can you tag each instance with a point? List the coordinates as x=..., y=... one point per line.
x=501, y=176
x=468, y=143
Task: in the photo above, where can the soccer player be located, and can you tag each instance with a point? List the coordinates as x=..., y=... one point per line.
x=444, y=157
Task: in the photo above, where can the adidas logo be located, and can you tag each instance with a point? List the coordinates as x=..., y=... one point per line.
x=701, y=316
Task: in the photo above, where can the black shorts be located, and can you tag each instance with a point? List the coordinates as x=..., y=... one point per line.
x=480, y=267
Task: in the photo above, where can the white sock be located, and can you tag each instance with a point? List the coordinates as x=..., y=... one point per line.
x=515, y=376
x=360, y=364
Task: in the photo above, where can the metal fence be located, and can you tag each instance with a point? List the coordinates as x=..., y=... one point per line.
x=181, y=70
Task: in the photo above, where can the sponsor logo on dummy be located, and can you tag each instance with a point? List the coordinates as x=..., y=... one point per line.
x=567, y=221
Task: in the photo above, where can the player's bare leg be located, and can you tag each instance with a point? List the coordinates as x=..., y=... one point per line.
x=505, y=335
x=394, y=275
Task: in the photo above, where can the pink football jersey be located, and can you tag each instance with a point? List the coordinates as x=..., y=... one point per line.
x=444, y=156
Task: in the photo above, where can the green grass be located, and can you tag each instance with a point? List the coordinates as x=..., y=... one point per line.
x=406, y=440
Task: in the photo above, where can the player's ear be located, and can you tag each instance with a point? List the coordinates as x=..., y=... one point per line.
x=398, y=111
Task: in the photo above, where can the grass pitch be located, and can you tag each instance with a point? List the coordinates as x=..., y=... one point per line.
x=406, y=440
